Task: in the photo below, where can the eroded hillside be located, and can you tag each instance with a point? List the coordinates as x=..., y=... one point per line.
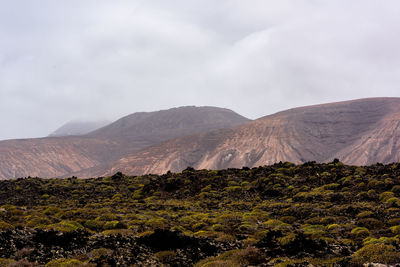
x=358, y=132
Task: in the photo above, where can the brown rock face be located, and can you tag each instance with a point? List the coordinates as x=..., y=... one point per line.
x=50, y=157
x=62, y=156
x=357, y=132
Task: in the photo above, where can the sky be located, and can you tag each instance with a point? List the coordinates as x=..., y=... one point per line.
x=100, y=60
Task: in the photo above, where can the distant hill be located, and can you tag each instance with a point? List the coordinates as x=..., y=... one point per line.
x=357, y=132
x=61, y=156
x=166, y=124
x=78, y=128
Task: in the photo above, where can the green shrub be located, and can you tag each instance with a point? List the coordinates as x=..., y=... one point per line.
x=288, y=219
x=111, y=225
x=333, y=226
x=51, y=210
x=212, y=262
x=377, y=253
x=395, y=229
x=331, y=186
x=365, y=214
x=217, y=227
x=94, y=225
x=160, y=223
x=65, y=263
x=394, y=221
x=234, y=258
x=287, y=239
x=385, y=196
x=6, y=262
x=396, y=189
x=232, y=189
x=272, y=223
x=107, y=217
x=328, y=220
x=381, y=240
x=360, y=232
x=65, y=226
x=314, y=229
x=246, y=228
x=38, y=222
x=370, y=223
x=393, y=201
x=5, y=226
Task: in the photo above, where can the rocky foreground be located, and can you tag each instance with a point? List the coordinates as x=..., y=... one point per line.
x=280, y=215
x=38, y=247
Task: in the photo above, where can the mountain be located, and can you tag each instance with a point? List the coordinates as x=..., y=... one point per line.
x=61, y=156
x=357, y=132
x=151, y=127
x=78, y=128
x=144, y=129
x=51, y=156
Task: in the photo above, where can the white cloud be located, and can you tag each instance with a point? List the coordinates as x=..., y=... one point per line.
x=61, y=60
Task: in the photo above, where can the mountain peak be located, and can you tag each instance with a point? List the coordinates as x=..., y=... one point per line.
x=63, y=155
x=171, y=123
x=358, y=132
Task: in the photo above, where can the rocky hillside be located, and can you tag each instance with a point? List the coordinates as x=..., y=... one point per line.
x=61, y=156
x=167, y=124
x=357, y=132
x=51, y=156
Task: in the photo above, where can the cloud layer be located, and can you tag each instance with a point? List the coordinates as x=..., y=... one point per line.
x=98, y=59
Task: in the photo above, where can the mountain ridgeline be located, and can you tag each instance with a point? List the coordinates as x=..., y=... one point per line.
x=358, y=132
x=61, y=156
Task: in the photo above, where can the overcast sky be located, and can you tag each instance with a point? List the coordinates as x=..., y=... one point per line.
x=101, y=59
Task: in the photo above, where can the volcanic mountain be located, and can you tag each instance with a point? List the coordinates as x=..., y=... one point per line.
x=357, y=132
x=61, y=156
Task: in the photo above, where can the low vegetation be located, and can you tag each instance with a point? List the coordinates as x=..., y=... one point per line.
x=280, y=215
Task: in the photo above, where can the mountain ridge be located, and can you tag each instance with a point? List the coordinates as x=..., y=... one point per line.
x=358, y=132
x=312, y=133
x=61, y=156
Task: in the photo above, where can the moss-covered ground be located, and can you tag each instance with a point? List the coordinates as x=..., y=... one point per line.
x=281, y=215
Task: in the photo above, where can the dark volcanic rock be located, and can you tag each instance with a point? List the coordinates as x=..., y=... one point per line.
x=189, y=249
x=41, y=246
x=301, y=246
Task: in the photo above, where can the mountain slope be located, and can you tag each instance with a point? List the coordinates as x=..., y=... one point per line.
x=51, y=156
x=144, y=129
x=61, y=156
x=167, y=124
x=357, y=132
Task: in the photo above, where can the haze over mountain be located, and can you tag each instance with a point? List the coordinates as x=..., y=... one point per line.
x=357, y=132
x=78, y=128
x=60, y=156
